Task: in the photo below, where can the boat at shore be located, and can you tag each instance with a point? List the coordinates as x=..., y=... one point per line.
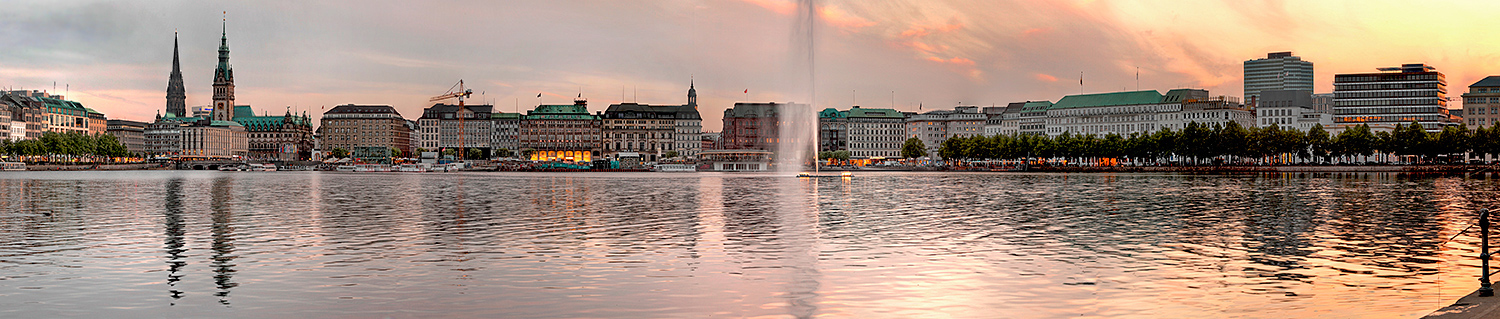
x=676, y=168
x=12, y=166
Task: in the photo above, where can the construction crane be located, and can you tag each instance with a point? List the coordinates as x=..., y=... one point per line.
x=460, y=94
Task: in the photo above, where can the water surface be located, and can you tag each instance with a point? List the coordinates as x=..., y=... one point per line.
x=310, y=244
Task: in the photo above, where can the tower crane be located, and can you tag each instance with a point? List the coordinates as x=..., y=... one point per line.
x=460, y=94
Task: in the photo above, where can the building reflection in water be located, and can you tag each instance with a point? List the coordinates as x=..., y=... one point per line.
x=223, y=239
x=173, y=231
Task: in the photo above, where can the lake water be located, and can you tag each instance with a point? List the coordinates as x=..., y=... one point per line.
x=690, y=245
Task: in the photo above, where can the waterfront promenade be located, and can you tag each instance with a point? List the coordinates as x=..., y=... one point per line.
x=1471, y=306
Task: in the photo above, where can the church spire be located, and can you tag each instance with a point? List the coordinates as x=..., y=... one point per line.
x=692, y=94
x=223, y=81
x=176, y=95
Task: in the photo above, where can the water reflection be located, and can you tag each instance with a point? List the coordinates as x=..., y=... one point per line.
x=223, y=238
x=175, y=245
x=736, y=245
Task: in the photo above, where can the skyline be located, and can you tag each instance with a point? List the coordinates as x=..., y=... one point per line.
x=116, y=58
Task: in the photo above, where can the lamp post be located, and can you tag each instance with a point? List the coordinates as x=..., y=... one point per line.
x=1484, y=254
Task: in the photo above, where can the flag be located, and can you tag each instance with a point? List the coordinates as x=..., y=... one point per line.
x=538, y=95
x=747, y=91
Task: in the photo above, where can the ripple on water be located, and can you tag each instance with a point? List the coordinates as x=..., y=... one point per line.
x=151, y=244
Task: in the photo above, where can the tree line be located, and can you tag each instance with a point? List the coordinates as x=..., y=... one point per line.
x=70, y=146
x=1231, y=143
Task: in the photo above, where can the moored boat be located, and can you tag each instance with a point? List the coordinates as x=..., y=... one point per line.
x=12, y=166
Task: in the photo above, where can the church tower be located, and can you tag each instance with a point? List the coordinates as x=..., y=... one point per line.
x=176, y=96
x=223, y=82
x=692, y=95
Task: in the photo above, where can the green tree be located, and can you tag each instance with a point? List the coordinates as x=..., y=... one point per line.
x=395, y=152
x=841, y=155
x=1453, y=140
x=339, y=152
x=450, y=152
x=669, y=154
x=475, y=153
x=914, y=148
x=1321, y=143
x=504, y=152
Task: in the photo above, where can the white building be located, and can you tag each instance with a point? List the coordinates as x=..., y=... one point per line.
x=937, y=126
x=1482, y=102
x=1124, y=113
x=1290, y=109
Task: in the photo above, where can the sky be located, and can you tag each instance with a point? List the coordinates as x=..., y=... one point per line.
x=115, y=56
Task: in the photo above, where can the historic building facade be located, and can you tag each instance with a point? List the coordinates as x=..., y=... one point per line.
x=1482, y=102
x=286, y=137
x=177, y=134
x=865, y=132
x=653, y=131
x=446, y=126
x=367, y=132
x=562, y=133
x=753, y=126
x=934, y=127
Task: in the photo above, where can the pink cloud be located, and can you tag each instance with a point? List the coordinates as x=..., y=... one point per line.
x=778, y=6
x=843, y=20
x=921, y=31
x=1044, y=77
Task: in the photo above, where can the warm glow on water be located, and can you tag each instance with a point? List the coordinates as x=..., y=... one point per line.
x=897, y=245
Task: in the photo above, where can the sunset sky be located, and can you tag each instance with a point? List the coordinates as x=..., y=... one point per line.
x=115, y=56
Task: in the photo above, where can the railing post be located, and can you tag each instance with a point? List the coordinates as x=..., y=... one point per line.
x=1484, y=254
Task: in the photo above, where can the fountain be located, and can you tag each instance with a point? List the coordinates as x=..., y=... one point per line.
x=798, y=123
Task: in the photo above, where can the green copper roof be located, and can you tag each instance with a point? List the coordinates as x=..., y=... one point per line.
x=505, y=116
x=561, y=112
x=831, y=113
x=1108, y=99
x=875, y=113
x=1036, y=106
x=62, y=103
x=243, y=111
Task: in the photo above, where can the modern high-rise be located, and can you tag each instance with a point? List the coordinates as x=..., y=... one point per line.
x=1395, y=95
x=1278, y=71
x=132, y=134
x=1482, y=102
